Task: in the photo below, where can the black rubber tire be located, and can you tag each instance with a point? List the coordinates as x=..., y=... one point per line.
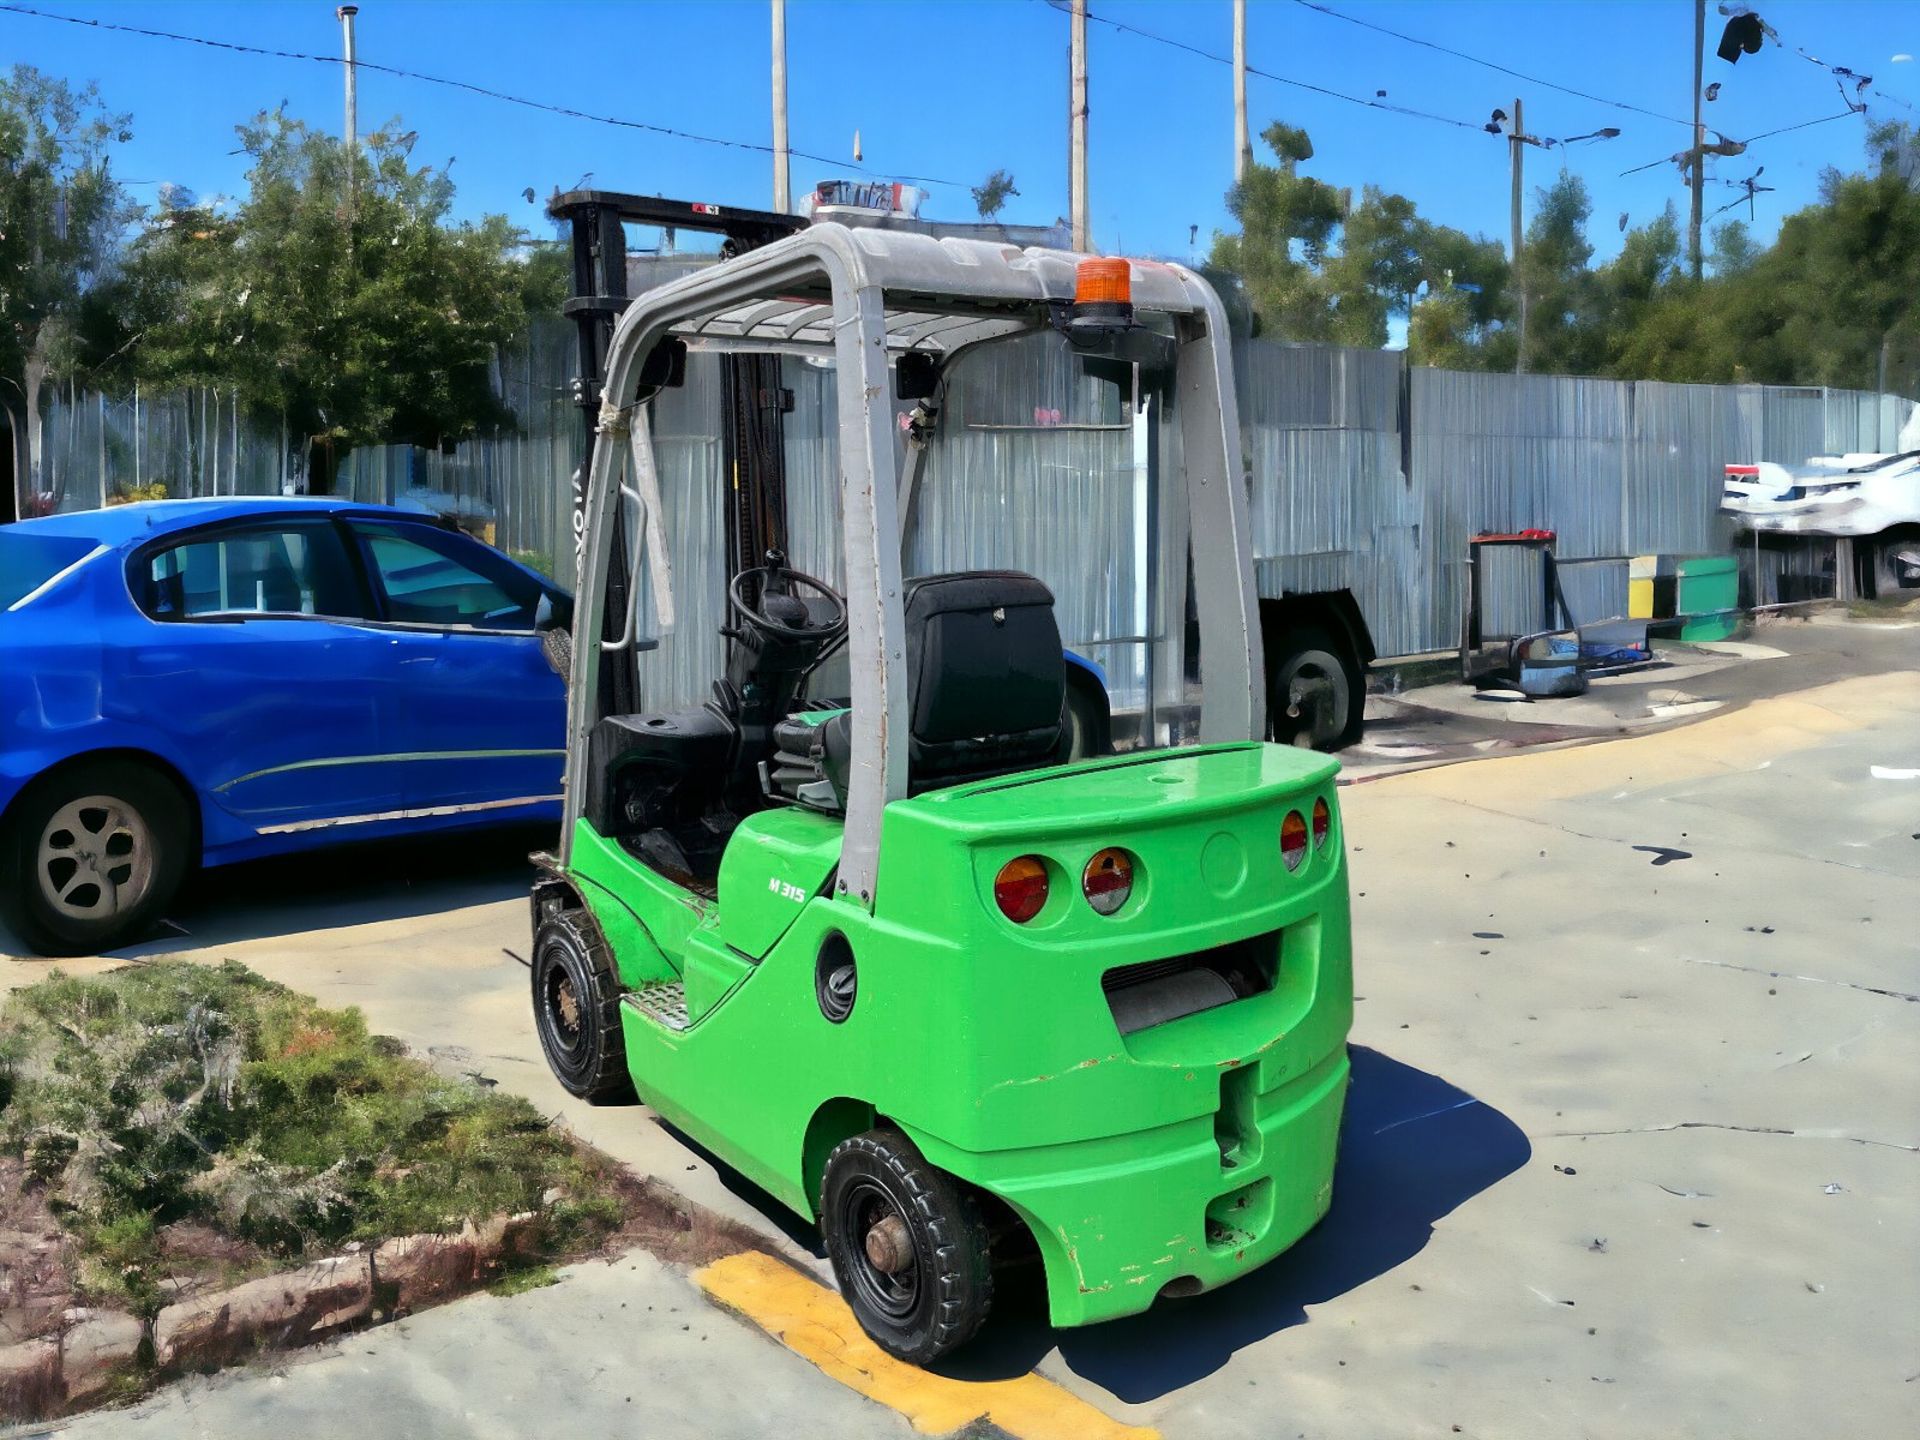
x=576, y=1008
x=1311, y=647
x=952, y=1259
x=161, y=808
x=1089, y=725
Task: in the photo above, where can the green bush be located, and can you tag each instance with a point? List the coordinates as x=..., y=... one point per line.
x=170, y=1091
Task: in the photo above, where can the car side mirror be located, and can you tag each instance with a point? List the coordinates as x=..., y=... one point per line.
x=553, y=612
x=553, y=625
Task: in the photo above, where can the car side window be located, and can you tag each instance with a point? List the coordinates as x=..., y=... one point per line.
x=431, y=577
x=264, y=570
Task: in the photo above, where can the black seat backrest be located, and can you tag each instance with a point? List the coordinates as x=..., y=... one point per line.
x=986, y=681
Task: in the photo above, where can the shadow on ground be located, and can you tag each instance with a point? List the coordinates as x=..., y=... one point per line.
x=356, y=884
x=1412, y=1149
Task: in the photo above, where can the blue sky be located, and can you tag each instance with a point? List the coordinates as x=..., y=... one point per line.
x=951, y=89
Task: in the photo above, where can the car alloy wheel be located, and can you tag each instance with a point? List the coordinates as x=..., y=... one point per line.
x=95, y=860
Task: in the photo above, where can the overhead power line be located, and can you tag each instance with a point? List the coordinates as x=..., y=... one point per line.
x=1680, y=156
x=1491, y=65
x=1376, y=103
x=471, y=88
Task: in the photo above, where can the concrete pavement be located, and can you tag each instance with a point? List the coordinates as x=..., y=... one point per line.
x=1631, y=1148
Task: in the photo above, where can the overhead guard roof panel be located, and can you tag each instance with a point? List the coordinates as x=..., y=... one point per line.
x=942, y=294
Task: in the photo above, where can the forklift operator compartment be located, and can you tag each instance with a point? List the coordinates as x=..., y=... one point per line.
x=854, y=887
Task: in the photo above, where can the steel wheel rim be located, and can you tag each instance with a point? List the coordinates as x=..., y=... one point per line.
x=560, y=998
x=95, y=859
x=895, y=1295
x=1309, y=730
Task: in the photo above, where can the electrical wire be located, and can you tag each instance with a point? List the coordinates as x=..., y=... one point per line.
x=468, y=86
x=1750, y=140
x=1489, y=64
x=1374, y=104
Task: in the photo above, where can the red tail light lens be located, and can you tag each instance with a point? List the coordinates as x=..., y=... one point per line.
x=1293, y=840
x=1322, y=822
x=1107, y=881
x=1020, y=889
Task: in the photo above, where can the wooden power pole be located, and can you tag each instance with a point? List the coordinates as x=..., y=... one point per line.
x=1077, y=159
x=1697, y=157
x=1516, y=142
x=782, y=180
x=345, y=14
x=1242, y=147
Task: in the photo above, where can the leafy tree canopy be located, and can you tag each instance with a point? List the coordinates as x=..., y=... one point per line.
x=358, y=312
x=1835, y=300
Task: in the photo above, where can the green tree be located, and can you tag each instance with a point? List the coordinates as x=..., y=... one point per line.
x=62, y=217
x=1731, y=251
x=1288, y=222
x=993, y=192
x=354, y=315
x=1563, y=335
x=1318, y=266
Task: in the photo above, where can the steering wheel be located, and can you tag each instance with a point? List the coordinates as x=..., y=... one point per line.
x=782, y=614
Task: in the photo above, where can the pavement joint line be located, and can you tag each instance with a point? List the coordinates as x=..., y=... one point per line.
x=815, y=1323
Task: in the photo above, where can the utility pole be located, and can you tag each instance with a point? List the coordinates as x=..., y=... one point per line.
x=1516, y=139
x=344, y=14
x=1697, y=158
x=1077, y=158
x=782, y=196
x=1242, y=148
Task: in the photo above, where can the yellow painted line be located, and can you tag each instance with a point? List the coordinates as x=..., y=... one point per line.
x=814, y=1323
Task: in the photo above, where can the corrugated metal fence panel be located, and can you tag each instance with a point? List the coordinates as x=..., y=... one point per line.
x=1037, y=469
x=1500, y=453
x=688, y=456
x=1793, y=423
x=1331, y=507
x=1682, y=436
x=1594, y=590
x=1048, y=487
x=193, y=442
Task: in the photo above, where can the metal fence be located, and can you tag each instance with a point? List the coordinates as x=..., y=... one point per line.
x=1367, y=475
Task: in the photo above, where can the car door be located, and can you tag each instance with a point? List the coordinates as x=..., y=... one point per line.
x=482, y=716
x=259, y=660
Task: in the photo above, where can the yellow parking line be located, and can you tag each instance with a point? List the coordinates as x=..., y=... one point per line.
x=814, y=1323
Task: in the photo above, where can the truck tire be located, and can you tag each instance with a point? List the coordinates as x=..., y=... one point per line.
x=91, y=854
x=908, y=1246
x=576, y=1008
x=1332, y=716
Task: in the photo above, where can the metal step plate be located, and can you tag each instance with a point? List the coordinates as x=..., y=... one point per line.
x=662, y=1001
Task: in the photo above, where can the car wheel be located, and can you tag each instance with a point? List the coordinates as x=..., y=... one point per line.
x=576, y=1008
x=908, y=1246
x=92, y=854
x=1308, y=677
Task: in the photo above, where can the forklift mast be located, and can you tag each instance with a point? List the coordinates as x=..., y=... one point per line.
x=752, y=394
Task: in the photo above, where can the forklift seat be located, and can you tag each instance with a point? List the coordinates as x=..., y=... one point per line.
x=986, y=693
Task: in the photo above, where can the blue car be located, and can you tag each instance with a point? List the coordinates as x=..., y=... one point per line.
x=195, y=682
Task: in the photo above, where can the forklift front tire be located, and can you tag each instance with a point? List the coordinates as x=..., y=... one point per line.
x=576, y=1008
x=908, y=1246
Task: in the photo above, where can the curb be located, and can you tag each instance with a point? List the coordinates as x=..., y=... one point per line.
x=104, y=1351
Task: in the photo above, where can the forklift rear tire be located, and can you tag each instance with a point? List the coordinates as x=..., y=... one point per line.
x=576, y=1008
x=908, y=1245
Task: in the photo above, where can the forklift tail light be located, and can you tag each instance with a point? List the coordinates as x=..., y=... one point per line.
x=1322, y=822
x=1020, y=889
x=1103, y=282
x=1293, y=840
x=1107, y=881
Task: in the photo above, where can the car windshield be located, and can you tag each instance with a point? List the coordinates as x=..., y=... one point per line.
x=28, y=561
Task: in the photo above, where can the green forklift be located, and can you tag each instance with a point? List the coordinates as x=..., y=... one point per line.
x=881, y=922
